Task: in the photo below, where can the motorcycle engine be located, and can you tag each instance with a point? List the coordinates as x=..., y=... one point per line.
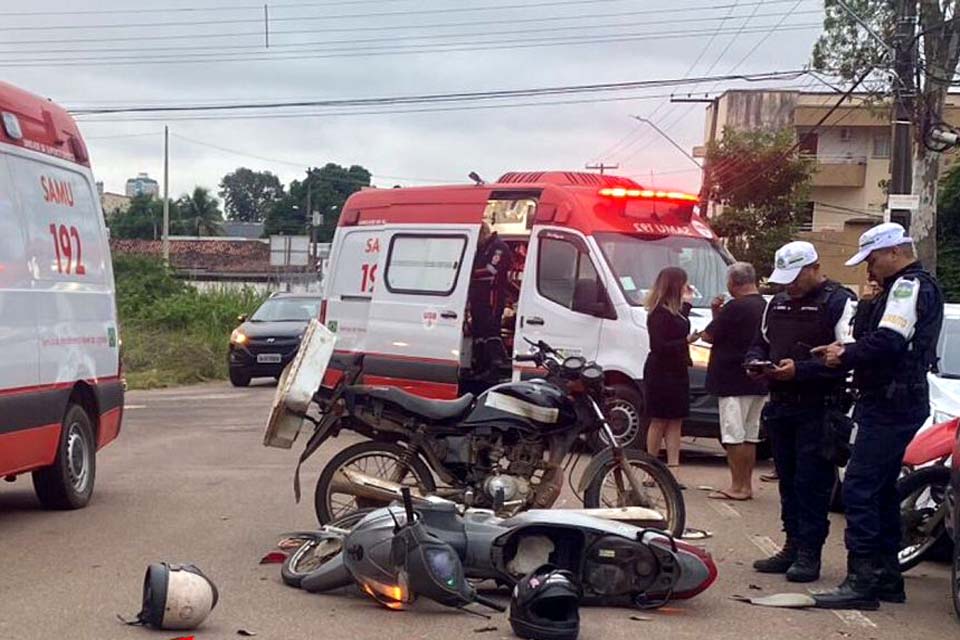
x=513, y=487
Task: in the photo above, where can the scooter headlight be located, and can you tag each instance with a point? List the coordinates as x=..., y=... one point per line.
x=394, y=597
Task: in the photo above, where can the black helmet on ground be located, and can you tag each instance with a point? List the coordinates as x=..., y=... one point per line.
x=545, y=605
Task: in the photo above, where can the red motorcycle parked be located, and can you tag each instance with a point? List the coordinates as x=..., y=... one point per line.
x=923, y=495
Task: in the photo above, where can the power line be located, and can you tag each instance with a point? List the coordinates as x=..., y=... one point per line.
x=224, y=49
x=392, y=51
x=444, y=97
x=378, y=27
x=322, y=114
x=327, y=17
x=302, y=165
x=216, y=8
x=643, y=131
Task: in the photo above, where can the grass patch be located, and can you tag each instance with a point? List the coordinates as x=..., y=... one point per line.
x=173, y=334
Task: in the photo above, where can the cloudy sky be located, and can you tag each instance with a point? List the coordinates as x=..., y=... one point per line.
x=212, y=52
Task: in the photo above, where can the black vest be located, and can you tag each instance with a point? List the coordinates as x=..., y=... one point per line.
x=793, y=327
x=907, y=373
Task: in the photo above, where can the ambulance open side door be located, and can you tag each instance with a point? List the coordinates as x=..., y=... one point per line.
x=415, y=331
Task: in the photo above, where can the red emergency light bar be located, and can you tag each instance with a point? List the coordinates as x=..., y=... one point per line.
x=647, y=194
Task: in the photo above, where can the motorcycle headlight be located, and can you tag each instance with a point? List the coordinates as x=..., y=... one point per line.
x=391, y=596
x=942, y=416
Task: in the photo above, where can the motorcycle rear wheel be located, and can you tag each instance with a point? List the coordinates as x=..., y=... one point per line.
x=662, y=491
x=922, y=494
x=381, y=459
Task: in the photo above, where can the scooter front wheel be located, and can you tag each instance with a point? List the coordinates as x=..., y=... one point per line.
x=317, y=548
x=610, y=488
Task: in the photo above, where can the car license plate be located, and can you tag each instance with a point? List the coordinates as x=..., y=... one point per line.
x=268, y=358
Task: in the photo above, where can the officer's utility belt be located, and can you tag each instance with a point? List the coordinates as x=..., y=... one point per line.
x=808, y=399
x=893, y=391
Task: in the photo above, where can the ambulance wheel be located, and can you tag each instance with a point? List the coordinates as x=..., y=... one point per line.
x=379, y=459
x=625, y=412
x=68, y=482
x=238, y=379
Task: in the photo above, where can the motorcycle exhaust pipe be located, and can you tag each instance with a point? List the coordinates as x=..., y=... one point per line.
x=362, y=485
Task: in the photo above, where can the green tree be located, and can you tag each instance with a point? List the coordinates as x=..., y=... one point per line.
x=143, y=219
x=248, y=196
x=762, y=184
x=199, y=214
x=948, y=235
x=323, y=190
x=848, y=50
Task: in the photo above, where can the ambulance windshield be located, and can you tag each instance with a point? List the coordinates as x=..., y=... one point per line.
x=637, y=259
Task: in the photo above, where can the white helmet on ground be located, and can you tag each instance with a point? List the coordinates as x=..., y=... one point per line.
x=176, y=596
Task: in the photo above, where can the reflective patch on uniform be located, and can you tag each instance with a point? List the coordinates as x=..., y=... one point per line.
x=518, y=407
x=900, y=314
x=843, y=332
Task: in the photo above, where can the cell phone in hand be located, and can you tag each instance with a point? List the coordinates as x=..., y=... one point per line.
x=759, y=366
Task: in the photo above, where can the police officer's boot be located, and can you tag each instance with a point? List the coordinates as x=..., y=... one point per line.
x=780, y=561
x=806, y=568
x=889, y=579
x=858, y=591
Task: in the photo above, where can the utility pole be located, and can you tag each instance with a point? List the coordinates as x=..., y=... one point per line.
x=166, y=195
x=601, y=166
x=706, y=184
x=904, y=106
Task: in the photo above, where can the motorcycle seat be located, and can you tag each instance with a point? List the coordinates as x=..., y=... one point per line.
x=423, y=407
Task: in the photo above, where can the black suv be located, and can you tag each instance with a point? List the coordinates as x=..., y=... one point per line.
x=268, y=340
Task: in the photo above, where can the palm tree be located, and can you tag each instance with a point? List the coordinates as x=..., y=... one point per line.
x=200, y=213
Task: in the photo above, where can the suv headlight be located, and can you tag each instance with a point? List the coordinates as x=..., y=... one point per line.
x=238, y=337
x=700, y=355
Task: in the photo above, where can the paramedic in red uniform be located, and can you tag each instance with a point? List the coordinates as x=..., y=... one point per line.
x=488, y=291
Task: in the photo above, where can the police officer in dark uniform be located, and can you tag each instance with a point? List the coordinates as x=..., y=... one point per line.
x=488, y=294
x=895, y=348
x=811, y=311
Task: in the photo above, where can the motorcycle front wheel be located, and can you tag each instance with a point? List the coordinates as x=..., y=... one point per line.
x=379, y=459
x=922, y=494
x=315, y=550
x=609, y=488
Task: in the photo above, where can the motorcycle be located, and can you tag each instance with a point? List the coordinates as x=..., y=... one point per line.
x=922, y=491
x=514, y=441
x=616, y=564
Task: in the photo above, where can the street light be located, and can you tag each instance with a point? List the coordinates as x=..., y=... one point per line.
x=668, y=138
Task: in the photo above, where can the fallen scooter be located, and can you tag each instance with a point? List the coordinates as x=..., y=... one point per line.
x=616, y=564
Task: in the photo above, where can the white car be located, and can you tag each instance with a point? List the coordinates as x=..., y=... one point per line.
x=945, y=385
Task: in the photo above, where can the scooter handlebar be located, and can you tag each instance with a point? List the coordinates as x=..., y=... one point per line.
x=490, y=604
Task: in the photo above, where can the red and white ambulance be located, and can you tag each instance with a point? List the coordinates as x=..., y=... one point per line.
x=61, y=396
x=587, y=249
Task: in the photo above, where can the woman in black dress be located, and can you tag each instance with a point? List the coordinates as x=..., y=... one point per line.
x=665, y=373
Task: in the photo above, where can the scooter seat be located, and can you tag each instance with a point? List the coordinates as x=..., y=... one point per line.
x=424, y=407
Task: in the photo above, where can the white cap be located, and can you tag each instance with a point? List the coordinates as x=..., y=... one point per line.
x=882, y=236
x=790, y=259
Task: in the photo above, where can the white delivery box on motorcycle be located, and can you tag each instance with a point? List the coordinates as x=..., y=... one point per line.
x=586, y=247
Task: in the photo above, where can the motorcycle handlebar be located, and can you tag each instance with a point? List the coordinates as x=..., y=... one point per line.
x=530, y=358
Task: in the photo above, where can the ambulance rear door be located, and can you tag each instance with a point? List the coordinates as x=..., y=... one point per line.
x=415, y=331
x=349, y=284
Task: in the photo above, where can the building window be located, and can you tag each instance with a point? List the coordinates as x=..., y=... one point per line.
x=846, y=134
x=808, y=143
x=805, y=217
x=424, y=264
x=881, y=144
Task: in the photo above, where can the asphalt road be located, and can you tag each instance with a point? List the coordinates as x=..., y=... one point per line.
x=189, y=481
